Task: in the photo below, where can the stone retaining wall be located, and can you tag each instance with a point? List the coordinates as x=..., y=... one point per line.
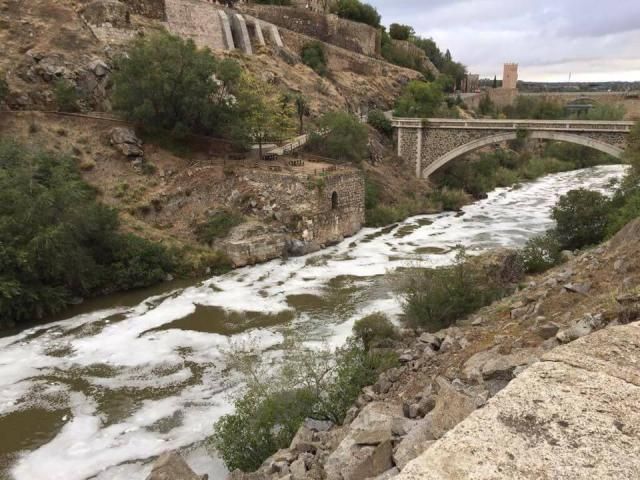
x=357, y=37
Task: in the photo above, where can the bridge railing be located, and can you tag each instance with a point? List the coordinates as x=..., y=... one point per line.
x=490, y=124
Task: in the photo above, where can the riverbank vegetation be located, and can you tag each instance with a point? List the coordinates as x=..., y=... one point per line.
x=479, y=173
x=58, y=243
x=319, y=384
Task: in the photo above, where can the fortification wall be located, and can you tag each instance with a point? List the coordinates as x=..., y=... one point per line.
x=332, y=29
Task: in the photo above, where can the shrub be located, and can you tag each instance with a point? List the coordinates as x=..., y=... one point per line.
x=316, y=384
x=626, y=207
x=380, y=122
x=313, y=56
x=346, y=138
x=450, y=199
x=57, y=242
x=217, y=226
x=581, y=218
x=374, y=328
x=357, y=11
x=66, y=96
x=433, y=299
x=541, y=253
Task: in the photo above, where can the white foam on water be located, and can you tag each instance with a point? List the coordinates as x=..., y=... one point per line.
x=142, y=356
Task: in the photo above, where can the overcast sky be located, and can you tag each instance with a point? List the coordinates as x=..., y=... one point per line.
x=594, y=40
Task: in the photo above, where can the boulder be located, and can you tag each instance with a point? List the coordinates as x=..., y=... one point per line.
x=583, y=327
x=124, y=139
x=171, y=466
x=366, y=450
x=452, y=406
x=430, y=339
x=548, y=330
x=414, y=443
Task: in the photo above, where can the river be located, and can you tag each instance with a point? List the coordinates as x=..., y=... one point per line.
x=98, y=394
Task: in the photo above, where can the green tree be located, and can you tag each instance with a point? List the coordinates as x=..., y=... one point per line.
x=302, y=110
x=166, y=82
x=419, y=99
x=581, y=218
x=263, y=114
x=495, y=81
x=57, y=242
x=401, y=32
x=345, y=138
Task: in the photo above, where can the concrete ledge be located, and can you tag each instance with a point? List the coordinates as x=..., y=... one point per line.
x=573, y=415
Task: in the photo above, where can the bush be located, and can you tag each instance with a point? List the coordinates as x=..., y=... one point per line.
x=316, y=384
x=313, y=56
x=450, y=199
x=380, y=122
x=57, y=242
x=373, y=329
x=346, y=139
x=357, y=11
x=541, y=253
x=217, y=226
x=433, y=299
x=581, y=218
x=66, y=96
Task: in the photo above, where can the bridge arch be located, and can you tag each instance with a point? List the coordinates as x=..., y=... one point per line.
x=506, y=136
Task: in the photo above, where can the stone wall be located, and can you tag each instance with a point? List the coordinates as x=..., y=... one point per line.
x=311, y=212
x=332, y=29
x=148, y=8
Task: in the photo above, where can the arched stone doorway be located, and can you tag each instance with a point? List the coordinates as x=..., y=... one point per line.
x=334, y=201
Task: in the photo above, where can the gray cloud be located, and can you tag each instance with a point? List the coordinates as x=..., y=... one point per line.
x=592, y=39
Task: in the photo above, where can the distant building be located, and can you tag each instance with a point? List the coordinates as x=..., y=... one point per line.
x=510, y=76
x=470, y=83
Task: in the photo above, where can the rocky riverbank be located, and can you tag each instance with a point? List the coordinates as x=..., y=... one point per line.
x=398, y=427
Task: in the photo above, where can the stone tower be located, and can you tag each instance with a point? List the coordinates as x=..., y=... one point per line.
x=510, y=76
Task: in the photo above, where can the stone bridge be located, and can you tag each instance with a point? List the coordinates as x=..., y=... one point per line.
x=430, y=143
